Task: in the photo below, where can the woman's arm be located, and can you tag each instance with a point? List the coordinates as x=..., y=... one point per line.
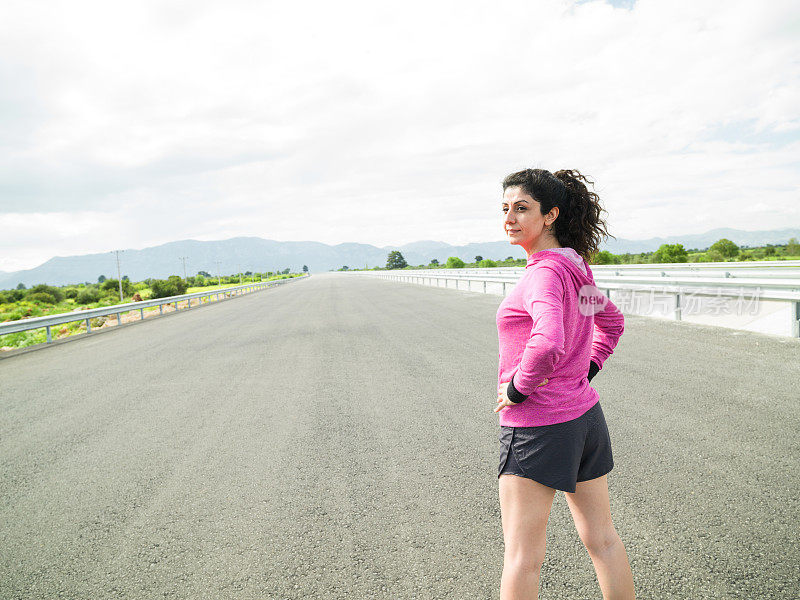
x=608, y=327
x=544, y=302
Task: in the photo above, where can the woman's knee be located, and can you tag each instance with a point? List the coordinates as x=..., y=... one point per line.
x=599, y=542
x=529, y=559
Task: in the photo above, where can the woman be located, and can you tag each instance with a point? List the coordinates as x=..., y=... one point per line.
x=555, y=331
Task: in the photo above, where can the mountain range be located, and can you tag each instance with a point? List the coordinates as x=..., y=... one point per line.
x=260, y=255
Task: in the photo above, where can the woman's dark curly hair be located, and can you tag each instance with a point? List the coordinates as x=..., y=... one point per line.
x=578, y=224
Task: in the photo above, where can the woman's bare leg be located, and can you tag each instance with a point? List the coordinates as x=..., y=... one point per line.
x=524, y=507
x=591, y=511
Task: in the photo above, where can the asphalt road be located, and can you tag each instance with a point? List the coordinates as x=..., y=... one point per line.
x=335, y=438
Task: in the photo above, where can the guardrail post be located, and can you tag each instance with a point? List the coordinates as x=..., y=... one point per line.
x=504, y=288
x=88, y=326
x=141, y=310
x=119, y=318
x=484, y=287
x=795, y=313
x=189, y=301
x=49, y=337
x=161, y=309
x=678, y=306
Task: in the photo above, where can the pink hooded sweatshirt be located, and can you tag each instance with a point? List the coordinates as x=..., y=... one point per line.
x=550, y=326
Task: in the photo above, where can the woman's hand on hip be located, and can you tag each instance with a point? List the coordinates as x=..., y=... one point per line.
x=502, y=395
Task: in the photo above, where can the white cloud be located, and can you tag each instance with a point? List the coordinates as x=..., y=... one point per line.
x=128, y=125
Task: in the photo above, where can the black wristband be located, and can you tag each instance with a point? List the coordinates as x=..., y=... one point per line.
x=593, y=369
x=514, y=394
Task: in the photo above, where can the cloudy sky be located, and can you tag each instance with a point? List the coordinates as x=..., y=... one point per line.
x=131, y=124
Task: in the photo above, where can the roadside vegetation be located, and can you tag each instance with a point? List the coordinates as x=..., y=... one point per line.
x=722, y=250
x=41, y=300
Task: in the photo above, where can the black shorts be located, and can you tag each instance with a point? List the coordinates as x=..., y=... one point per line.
x=561, y=454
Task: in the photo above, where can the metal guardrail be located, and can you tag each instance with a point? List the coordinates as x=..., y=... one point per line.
x=117, y=309
x=781, y=287
x=769, y=289
x=744, y=264
x=786, y=269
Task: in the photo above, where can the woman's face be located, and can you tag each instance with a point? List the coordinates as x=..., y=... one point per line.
x=524, y=224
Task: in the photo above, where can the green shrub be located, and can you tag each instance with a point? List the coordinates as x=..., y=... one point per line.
x=725, y=247
x=43, y=288
x=71, y=293
x=112, y=285
x=42, y=297
x=109, y=298
x=453, y=262
x=669, y=253
x=604, y=257
x=486, y=263
x=88, y=296
x=11, y=296
x=174, y=286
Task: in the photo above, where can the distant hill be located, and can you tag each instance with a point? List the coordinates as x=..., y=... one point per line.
x=702, y=241
x=260, y=255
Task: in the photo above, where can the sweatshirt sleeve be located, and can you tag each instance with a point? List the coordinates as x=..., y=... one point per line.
x=544, y=302
x=608, y=327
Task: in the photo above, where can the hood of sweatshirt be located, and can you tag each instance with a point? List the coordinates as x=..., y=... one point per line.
x=576, y=265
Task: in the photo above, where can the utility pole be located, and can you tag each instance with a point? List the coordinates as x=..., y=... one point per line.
x=183, y=258
x=219, y=279
x=119, y=276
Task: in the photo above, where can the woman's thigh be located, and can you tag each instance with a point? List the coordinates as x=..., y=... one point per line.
x=525, y=508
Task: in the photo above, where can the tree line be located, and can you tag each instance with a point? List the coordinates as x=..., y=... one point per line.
x=107, y=291
x=720, y=251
